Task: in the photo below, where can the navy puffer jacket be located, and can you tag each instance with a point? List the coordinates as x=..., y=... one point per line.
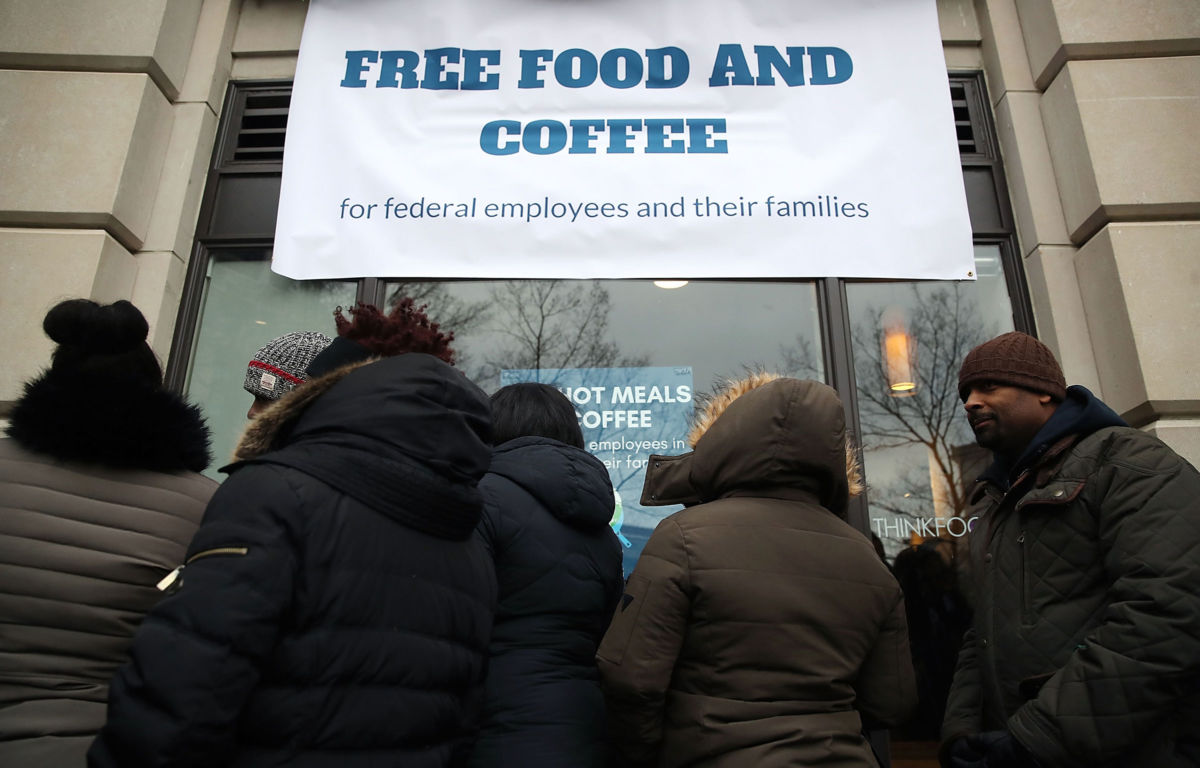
x=336, y=607
x=546, y=512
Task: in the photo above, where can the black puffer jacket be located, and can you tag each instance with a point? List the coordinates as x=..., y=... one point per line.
x=546, y=515
x=336, y=607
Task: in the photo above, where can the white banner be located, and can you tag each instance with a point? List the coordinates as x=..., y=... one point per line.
x=622, y=139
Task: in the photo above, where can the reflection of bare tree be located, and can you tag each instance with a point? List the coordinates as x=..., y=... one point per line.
x=445, y=309
x=945, y=324
x=800, y=360
x=452, y=314
x=563, y=324
x=555, y=324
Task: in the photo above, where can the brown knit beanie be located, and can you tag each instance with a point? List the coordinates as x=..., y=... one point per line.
x=1016, y=359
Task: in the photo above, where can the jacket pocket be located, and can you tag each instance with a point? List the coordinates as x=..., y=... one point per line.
x=1026, y=581
x=173, y=582
x=217, y=551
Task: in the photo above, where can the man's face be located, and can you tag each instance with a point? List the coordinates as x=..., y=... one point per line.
x=1005, y=418
x=260, y=405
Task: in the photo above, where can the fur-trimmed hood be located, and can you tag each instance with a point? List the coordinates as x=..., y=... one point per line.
x=408, y=436
x=115, y=424
x=270, y=429
x=763, y=433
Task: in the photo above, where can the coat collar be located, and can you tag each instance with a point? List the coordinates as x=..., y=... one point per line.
x=269, y=430
x=116, y=424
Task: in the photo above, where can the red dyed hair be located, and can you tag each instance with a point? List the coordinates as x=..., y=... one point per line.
x=405, y=329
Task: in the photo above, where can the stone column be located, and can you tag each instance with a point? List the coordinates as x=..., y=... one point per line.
x=108, y=113
x=1097, y=105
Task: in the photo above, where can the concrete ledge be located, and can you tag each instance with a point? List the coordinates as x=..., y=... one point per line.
x=153, y=37
x=1182, y=434
x=1059, y=31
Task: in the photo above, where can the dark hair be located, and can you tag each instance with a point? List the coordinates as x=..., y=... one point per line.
x=102, y=341
x=531, y=409
x=405, y=329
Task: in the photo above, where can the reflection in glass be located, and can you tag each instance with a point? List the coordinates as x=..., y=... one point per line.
x=899, y=353
x=630, y=344
x=718, y=328
x=919, y=454
x=244, y=306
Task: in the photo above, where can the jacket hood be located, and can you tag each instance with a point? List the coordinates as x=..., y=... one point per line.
x=408, y=436
x=571, y=483
x=763, y=434
x=122, y=425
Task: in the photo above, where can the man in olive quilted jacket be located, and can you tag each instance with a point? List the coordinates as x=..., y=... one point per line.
x=1085, y=649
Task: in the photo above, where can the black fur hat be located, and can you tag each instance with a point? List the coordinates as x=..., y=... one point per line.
x=102, y=400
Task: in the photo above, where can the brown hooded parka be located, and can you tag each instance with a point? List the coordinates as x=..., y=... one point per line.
x=758, y=628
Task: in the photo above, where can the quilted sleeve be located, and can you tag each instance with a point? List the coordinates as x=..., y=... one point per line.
x=965, y=703
x=197, y=656
x=1134, y=667
x=638, y=653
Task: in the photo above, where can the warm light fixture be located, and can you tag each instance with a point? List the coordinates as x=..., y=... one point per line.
x=670, y=284
x=899, y=355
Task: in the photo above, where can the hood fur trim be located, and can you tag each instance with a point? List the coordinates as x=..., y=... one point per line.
x=114, y=424
x=712, y=406
x=269, y=430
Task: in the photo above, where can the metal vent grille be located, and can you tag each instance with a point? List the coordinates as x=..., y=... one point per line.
x=967, y=145
x=262, y=128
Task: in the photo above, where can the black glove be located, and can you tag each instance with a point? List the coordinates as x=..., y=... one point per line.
x=956, y=753
x=992, y=749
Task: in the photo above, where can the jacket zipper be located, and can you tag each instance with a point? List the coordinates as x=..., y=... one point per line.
x=217, y=551
x=173, y=581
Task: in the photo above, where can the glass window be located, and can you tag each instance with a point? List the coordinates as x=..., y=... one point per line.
x=243, y=306
x=908, y=341
x=629, y=353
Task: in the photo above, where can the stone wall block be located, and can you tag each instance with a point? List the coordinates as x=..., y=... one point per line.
x=1122, y=138
x=1004, y=57
x=148, y=36
x=1058, y=31
x=181, y=185
x=1140, y=285
x=1030, y=173
x=39, y=268
x=1061, y=320
x=85, y=149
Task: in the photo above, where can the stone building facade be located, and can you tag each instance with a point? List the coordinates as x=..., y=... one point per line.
x=109, y=113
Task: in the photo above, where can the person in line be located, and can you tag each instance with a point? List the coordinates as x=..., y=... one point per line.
x=280, y=366
x=336, y=605
x=758, y=627
x=938, y=616
x=1085, y=648
x=547, y=507
x=99, y=497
